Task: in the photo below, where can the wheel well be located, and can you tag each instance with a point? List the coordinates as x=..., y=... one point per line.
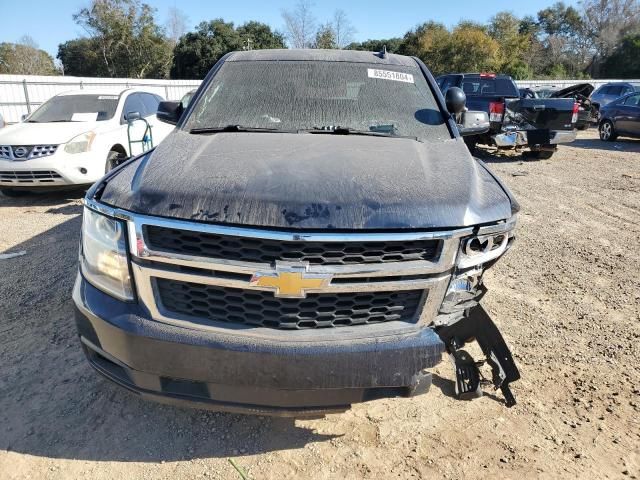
x=120, y=149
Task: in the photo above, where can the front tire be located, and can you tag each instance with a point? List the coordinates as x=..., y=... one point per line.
x=113, y=160
x=607, y=132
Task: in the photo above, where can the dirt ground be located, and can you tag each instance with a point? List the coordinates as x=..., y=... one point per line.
x=567, y=298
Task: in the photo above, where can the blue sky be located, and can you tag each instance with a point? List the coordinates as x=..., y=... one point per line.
x=50, y=22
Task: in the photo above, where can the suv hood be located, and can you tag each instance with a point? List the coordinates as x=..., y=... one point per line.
x=43, y=133
x=310, y=181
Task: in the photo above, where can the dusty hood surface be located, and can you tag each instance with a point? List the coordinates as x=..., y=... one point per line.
x=310, y=181
x=43, y=133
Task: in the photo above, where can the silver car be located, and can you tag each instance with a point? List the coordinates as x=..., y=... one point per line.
x=611, y=91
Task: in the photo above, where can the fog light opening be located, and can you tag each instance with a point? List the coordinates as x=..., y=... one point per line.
x=83, y=171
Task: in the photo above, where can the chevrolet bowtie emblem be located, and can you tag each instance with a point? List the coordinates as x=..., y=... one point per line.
x=291, y=281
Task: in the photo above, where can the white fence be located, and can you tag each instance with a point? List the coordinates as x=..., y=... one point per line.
x=21, y=94
x=563, y=83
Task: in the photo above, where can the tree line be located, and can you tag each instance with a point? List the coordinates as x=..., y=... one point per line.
x=600, y=38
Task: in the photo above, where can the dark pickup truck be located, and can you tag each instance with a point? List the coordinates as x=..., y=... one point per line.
x=538, y=124
x=312, y=234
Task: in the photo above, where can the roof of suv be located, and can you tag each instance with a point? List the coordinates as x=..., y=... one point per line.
x=319, y=55
x=104, y=91
x=620, y=84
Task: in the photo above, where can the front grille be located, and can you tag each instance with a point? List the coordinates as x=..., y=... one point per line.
x=258, y=308
x=28, y=176
x=26, y=152
x=263, y=250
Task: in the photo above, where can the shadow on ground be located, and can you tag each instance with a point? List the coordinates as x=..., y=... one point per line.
x=55, y=405
x=620, y=145
x=448, y=389
x=42, y=199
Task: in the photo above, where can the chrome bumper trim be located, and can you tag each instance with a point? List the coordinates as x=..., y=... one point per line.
x=519, y=138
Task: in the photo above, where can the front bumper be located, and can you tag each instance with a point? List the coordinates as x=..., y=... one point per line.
x=244, y=373
x=58, y=170
x=519, y=138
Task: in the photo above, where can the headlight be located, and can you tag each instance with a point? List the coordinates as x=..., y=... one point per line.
x=81, y=143
x=104, y=255
x=489, y=244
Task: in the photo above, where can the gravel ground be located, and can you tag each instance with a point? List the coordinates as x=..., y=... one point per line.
x=567, y=298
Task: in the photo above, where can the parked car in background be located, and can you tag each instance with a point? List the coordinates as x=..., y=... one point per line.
x=1, y=121
x=537, y=124
x=75, y=137
x=620, y=118
x=587, y=111
x=608, y=92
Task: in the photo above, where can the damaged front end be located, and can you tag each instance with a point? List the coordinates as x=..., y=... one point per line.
x=462, y=319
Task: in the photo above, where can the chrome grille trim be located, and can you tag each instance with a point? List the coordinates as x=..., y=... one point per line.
x=148, y=264
x=7, y=152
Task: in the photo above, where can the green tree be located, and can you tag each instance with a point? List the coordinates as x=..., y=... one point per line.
x=560, y=19
x=325, y=37
x=196, y=52
x=392, y=44
x=81, y=57
x=514, y=56
x=624, y=62
x=25, y=58
x=431, y=43
x=257, y=35
x=471, y=49
x=129, y=41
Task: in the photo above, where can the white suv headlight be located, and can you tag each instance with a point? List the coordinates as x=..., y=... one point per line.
x=104, y=255
x=81, y=143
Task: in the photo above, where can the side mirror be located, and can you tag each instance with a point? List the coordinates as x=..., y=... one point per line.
x=455, y=100
x=23, y=117
x=474, y=123
x=132, y=116
x=169, y=112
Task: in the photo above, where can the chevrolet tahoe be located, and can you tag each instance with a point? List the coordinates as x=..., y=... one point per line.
x=312, y=234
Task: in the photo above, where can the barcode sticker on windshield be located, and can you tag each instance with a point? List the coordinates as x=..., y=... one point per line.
x=107, y=97
x=389, y=75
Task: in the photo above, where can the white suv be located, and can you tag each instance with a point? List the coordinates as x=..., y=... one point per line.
x=76, y=137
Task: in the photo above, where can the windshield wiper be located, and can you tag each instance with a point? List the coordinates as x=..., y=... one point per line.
x=237, y=128
x=352, y=131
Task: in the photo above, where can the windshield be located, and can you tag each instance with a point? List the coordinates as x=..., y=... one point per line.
x=303, y=95
x=76, y=108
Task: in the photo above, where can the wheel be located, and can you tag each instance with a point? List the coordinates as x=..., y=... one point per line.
x=113, y=160
x=471, y=143
x=10, y=192
x=607, y=132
